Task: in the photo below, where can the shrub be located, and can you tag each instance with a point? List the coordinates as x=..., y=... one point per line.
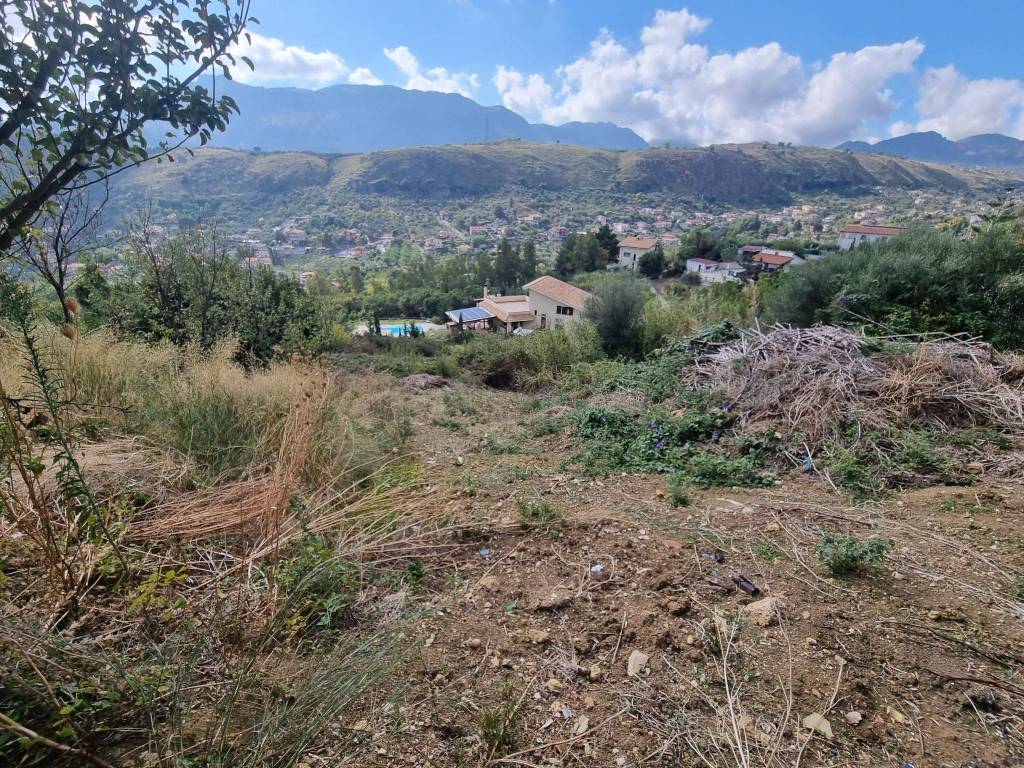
x=529, y=362
x=924, y=281
x=616, y=311
x=677, y=493
x=539, y=512
x=845, y=555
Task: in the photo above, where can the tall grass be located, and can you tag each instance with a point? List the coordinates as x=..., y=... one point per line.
x=222, y=419
x=531, y=362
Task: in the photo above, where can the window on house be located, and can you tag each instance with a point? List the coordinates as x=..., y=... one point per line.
x=560, y=310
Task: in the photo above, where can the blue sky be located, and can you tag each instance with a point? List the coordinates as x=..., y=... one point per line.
x=812, y=72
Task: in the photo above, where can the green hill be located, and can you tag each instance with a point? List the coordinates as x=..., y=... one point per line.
x=257, y=183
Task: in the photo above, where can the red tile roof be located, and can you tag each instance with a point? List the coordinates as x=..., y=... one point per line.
x=560, y=291
x=772, y=258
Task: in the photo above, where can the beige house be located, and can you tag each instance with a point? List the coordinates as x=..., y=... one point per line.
x=554, y=302
x=549, y=303
x=510, y=312
x=630, y=251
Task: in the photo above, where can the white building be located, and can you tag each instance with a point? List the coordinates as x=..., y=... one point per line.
x=700, y=265
x=727, y=272
x=630, y=251
x=853, y=235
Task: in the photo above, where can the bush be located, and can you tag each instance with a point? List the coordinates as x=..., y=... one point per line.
x=845, y=555
x=616, y=311
x=529, y=362
x=677, y=493
x=925, y=281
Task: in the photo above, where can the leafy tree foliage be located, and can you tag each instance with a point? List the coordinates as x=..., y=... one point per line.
x=616, y=310
x=580, y=253
x=190, y=290
x=608, y=240
x=652, y=263
x=80, y=80
x=924, y=281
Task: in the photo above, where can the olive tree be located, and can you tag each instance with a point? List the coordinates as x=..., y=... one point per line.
x=79, y=81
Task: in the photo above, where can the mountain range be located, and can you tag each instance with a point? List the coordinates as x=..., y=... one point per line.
x=987, y=150
x=364, y=118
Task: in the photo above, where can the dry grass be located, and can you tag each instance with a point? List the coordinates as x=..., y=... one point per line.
x=819, y=382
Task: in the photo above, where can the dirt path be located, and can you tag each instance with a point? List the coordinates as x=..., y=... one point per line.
x=590, y=622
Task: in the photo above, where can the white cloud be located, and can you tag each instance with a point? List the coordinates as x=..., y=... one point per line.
x=363, y=76
x=277, y=62
x=436, y=79
x=956, y=106
x=671, y=88
x=526, y=95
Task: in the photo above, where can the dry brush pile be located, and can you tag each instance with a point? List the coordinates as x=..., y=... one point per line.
x=834, y=389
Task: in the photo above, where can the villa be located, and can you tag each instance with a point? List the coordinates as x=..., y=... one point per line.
x=548, y=303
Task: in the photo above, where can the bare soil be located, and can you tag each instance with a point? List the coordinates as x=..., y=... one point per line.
x=529, y=627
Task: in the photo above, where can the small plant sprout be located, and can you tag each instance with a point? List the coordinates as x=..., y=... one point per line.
x=845, y=555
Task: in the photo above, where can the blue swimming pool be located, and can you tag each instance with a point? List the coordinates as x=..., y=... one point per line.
x=398, y=330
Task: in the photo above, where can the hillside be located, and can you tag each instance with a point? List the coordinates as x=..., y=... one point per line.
x=364, y=118
x=990, y=150
x=258, y=183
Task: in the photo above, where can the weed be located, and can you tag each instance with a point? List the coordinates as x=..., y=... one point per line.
x=855, y=470
x=319, y=585
x=451, y=423
x=549, y=425
x=708, y=469
x=456, y=404
x=496, y=724
x=677, y=493
x=845, y=555
x=1017, y=588
x=917, y=452
x=416, y=571
x=540, y=513
x=767, y=550
x=496, y=445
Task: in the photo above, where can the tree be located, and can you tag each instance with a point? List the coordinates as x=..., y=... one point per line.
x=652, y=263
x=506, y=266
x=528, y=263
x=81, y=80
x=66, y=232
x=588, y=255
x=564, y=260
x=616, y=310
x=608, y=240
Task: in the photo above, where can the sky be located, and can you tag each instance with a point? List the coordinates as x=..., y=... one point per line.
x=699, y=72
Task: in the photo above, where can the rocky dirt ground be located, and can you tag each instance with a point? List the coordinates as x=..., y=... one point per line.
x=615, y=629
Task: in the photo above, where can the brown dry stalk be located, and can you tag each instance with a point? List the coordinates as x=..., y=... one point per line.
x=821, y=381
